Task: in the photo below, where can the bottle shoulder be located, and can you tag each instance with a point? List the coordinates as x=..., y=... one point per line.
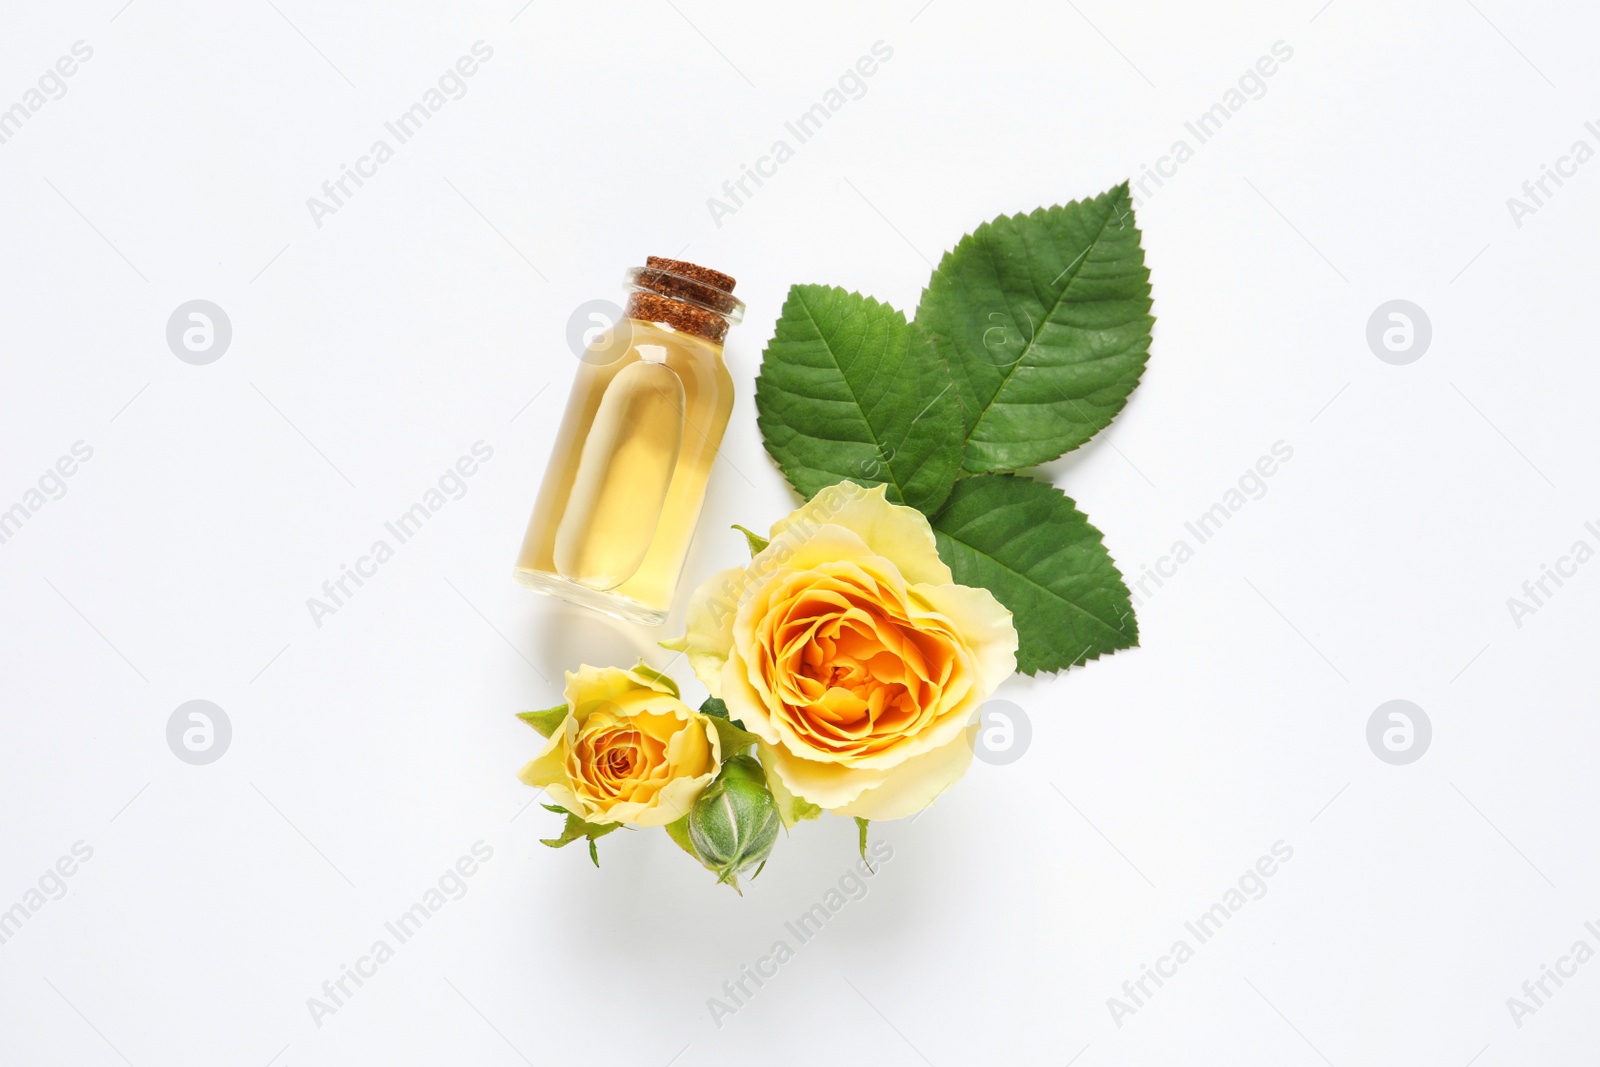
x=693, y=358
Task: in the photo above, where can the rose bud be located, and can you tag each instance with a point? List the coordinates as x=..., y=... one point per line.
x=734, y=823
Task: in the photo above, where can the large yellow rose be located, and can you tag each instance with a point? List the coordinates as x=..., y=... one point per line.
x=848, y=650
x=629, y=750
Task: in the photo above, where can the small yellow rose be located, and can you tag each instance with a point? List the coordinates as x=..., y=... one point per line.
x=847, y=648
x=629, y=751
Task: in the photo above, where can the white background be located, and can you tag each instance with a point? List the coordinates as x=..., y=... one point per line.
x=430, y=311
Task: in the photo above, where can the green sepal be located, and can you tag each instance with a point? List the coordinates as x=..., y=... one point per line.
x=861, y=834
x=755, y=540
x=734, y=739
x=731, y=733
x=547, y=721
x=734, y=822
x=654, y=675
x=576, y=828
x=719, y=711
x=679, y=832
x=791, y=809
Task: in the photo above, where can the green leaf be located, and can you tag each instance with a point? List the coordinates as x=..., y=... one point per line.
x=1045, y=321
x=861, y=833
x=753, y=539
x=654, y=675
x=1026, y=543
x=546, y=722
x=849, y=390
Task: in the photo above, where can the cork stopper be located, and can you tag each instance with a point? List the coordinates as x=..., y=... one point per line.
x=684, y=269
x=684, y=296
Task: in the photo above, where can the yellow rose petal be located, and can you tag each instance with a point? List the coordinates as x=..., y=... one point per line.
x=852, y=654
x=628, y=751
x=914, y=784
x=890, y=530
x=709, y=625
x=827, y=785
x=983, y=622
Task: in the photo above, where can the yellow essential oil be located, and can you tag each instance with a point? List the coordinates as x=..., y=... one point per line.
x=626, y=479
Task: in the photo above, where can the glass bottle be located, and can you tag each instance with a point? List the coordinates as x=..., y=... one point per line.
x=627, y=476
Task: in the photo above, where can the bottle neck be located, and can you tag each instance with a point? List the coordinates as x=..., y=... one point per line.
x=684, y=296
x=681, y=316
